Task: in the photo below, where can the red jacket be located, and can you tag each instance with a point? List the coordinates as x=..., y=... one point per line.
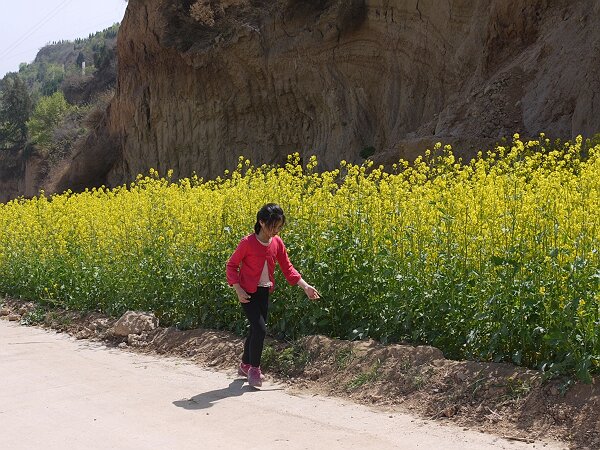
x=251, y=255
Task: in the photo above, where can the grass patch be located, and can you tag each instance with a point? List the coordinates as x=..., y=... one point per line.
x=34, y=317
x=518, y=389
x=343, y=358
x=366, y=377
x=290, y=361
x=58, y=319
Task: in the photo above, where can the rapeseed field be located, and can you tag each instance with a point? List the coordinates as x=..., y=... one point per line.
x=493, y=259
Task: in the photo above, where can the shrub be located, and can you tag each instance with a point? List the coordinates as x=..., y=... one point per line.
x=202, y=12
x=47, y=115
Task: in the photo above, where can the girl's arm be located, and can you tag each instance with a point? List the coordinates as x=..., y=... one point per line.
x=233, y=270
x=233, y=264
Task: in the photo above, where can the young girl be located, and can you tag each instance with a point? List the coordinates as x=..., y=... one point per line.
x=256, y=254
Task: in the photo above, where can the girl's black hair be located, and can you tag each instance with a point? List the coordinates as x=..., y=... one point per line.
x=270, y=214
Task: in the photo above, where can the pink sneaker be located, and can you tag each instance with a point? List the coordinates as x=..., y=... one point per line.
x=255, y=377
x=243, y=369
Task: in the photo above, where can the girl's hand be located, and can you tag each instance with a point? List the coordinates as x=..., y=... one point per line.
x=311, y=292
x=243, y=296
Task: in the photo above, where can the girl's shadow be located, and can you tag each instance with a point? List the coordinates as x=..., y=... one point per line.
x=208, y=399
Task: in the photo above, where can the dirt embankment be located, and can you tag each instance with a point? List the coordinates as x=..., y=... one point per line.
x=497, y=398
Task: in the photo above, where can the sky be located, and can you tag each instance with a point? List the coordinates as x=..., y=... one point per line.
x=28, y=25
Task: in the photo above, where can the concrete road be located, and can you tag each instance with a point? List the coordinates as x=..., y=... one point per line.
x=59, y=393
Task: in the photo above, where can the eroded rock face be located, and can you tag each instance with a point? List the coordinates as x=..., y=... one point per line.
x=21, y=173
x=333, y=77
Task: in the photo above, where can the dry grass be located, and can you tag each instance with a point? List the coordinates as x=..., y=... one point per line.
x=202, y=12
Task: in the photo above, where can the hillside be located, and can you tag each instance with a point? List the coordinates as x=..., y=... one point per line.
x=57, y=66
x=27, y=165
x=341, y=79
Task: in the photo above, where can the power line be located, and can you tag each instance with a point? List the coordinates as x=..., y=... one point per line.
x=24, y=52
x=83, y=30
x=36, y=27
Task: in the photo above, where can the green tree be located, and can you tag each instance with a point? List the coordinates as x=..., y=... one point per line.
x=53, y=76
x=15, y=109
x=47, y=115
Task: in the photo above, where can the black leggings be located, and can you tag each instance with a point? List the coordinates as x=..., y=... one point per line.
x=256, y=312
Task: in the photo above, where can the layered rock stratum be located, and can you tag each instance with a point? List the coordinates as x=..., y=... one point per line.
x=337, y=78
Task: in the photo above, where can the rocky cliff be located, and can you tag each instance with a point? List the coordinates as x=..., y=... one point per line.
x=22, y=171
x=334, y=77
